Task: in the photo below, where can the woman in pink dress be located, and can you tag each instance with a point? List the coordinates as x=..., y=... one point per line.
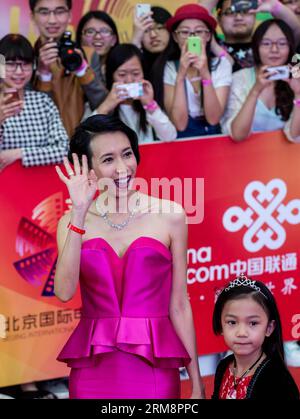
x=128, y=252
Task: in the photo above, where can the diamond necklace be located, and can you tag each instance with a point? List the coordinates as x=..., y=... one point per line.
x=122, y=225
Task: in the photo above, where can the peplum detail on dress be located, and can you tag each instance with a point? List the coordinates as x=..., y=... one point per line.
x=153, y=339
x=125, y=303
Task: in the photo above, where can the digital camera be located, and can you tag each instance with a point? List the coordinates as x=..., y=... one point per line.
x=70, y=59
x=243, y=5
x=133, y=90
x=280, y=72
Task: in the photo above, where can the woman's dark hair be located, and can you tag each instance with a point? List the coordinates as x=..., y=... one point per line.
x=16, y=47
x=172, y=53
x=99, y=15
x=283, y=93
x=117, y=56
x=259, y=292
x=33, y=3
x=95, y=125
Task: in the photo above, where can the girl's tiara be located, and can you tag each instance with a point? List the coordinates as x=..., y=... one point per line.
x=243, y=281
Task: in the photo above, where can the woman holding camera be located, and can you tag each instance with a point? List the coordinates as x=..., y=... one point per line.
x=30, y=126
x=264, y=98
x=196, y=84
x=131, y=97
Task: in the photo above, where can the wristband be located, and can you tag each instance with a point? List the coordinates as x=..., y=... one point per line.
x=76, y=229
x=296, y=102
x=206, y=82
x=276, y=7
x=152, y=106
x=80, y=72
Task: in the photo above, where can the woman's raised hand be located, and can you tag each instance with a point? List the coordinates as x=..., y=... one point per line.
x=81, y=183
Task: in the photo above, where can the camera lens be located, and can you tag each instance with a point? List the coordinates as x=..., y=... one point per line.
x=70, y=59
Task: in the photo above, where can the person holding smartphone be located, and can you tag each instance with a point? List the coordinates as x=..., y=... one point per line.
x=30, y=127
x=196, y=84
x=70, y=90
x=238, y=26
x=257, y=101
x=141, y=113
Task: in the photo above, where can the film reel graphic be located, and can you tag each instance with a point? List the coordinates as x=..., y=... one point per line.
x=36, y=241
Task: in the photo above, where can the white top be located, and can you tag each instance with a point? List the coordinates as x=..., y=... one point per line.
x=221, y=76
x=265, y=119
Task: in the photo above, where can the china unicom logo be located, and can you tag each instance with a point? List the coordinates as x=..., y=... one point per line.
x=265, y=215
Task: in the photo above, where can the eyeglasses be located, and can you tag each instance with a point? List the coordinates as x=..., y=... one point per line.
x=12, y=66
x=230, y=12
x=280, y=43
x=185, y=34
x=91, y=32
x=156, y=29
x=59, y=12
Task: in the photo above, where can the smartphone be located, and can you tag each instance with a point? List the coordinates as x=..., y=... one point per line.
x=15, y=97
x=133, y=90
x=142, y=9
x=194, y=45
x=281, y=72
x=243, y=5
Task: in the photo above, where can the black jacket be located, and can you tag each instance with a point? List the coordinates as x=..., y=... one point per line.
x=271, y=381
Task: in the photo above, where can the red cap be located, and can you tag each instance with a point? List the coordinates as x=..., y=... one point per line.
x=191, y=11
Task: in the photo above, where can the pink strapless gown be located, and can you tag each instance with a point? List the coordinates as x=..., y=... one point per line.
x=125, y=345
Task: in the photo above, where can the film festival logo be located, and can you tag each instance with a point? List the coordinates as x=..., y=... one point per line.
x=2, y=66
x=264, y=216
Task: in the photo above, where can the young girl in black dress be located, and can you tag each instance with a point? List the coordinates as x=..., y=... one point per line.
x=247, y=316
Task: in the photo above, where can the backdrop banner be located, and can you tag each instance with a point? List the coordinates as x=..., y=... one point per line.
x=243, y=207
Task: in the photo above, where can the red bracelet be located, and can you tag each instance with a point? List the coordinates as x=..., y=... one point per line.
x=76, y=229
x=206, y=82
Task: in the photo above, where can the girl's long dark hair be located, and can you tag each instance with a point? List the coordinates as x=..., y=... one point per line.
x=172, y=53
x=283, y=93
x=117, y=56
x=17, y=47
x=273, y=345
